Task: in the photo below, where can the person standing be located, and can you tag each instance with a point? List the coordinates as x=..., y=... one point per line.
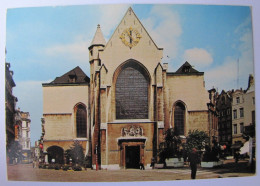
x=194, y=160
x=142, y=163
x=152, y=162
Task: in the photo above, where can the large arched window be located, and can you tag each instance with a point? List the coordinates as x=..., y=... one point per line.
x=132, y=93
x=81, y=121
x=179, y=118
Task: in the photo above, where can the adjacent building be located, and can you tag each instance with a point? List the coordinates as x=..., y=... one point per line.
x=224, y=107
x=25, y=139
x=65, y=114
x=10, y=102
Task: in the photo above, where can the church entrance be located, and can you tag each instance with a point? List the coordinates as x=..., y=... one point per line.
x=130, y=152
x=132, y=157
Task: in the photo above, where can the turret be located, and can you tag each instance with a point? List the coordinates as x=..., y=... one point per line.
x=98, y=43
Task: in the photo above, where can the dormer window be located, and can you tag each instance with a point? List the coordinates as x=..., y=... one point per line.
x=72, y=78
x=186, y=69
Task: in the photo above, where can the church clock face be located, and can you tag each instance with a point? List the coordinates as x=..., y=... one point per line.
x=130, y=37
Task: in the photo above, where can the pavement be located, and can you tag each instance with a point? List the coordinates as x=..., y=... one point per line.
x=25, y=172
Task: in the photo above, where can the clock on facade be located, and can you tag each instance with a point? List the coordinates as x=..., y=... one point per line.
x=130, y=37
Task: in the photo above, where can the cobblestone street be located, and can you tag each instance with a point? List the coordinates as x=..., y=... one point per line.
x=25, y=172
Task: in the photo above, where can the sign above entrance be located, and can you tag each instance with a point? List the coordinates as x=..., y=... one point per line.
x=130, y=37
x=132, y=131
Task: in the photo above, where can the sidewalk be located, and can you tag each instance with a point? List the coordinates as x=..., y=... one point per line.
x=25, y=172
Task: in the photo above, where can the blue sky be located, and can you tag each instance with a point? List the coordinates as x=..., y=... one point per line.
x=45, y=42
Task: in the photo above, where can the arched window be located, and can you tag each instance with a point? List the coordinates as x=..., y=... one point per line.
x=132, y=93
x=179, y=118
x=81, y=121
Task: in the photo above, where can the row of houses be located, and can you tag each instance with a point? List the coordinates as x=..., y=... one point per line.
x=236, y=109
x=17, y=123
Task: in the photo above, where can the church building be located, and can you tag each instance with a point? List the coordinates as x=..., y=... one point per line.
x=120, y=112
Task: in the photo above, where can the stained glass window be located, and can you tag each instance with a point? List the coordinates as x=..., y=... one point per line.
x=179, y=114
x=81, y=121
x=132, y=94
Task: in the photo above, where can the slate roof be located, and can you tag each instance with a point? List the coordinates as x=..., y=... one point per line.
x=75, y=76
x=186, y=69
x=98, y=38
x=185, y=66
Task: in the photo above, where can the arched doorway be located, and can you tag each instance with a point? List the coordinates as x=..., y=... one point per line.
x=57, y=153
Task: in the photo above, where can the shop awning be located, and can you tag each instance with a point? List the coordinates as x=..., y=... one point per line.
x=236, y=146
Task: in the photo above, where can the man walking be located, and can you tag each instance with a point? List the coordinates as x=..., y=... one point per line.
x=194, y=160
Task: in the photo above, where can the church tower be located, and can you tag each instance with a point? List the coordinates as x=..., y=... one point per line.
x=134, y=100
x=98, y=43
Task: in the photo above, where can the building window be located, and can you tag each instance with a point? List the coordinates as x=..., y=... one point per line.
x=235, y=114
x=241, y=112
x=238, y=99
x=81, y=121
x=253, y=99
x=235, y=128
x=241, y=127
x=253, y=117
x=228, y=111
x=132, y=93
x=179, y=118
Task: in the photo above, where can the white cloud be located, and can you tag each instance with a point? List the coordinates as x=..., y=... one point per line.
x=164, y=27
x=222, y=77
x=77, y=51
x=110, y=16
x=235, y=70
x=198, y=57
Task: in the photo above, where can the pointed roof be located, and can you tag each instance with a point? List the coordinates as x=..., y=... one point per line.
x=186, y=68
x=251, y=84
x=98, y=38
x=74, y=76
x=128, y=13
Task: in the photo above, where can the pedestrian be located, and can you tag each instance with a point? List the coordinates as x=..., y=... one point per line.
x=236, y=156
x=142, y=163
x=152, y=162
x=194, y=160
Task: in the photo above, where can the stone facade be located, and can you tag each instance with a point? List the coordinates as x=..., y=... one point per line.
x=131, y=100
x=61, y=100
x=243, y=111
x=131, y=50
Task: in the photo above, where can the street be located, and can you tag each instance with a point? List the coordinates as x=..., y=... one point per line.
x=25, y=172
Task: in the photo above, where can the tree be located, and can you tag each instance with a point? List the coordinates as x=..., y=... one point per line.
x=171, y=147
x=196, y=139
x=76, y=153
